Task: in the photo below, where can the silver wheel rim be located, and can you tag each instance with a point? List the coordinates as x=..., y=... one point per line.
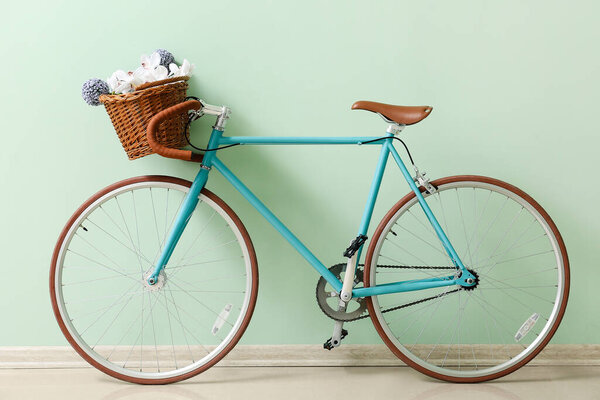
x=552, y=315
x=211, y=350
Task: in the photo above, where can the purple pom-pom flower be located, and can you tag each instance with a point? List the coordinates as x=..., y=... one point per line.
x=92, y=89
x=166, y=58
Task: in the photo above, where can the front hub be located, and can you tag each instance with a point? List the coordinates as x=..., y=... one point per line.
x=154, y=284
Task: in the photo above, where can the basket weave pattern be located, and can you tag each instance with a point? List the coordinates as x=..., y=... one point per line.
x=131, y=112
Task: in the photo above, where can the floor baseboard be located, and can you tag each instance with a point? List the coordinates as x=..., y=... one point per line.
x=288, y=355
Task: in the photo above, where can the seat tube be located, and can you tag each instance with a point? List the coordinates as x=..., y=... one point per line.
x=353, y=260
x=374, y=191
x=187, y=208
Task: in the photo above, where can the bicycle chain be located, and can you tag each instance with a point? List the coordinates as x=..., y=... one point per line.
x=413, y=266
x=414, y=302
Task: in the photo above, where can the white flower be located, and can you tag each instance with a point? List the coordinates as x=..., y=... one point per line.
x=150, y=71
x=151, y=62
x=156, y=74
x=118, y=81
x=137, y=78
x=125, y=82
x=186, y=69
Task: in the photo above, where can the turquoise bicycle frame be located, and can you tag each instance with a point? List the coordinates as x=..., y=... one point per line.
x=210, y=160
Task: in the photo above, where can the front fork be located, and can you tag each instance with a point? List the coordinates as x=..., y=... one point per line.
x=187, y=208
x=185, y=212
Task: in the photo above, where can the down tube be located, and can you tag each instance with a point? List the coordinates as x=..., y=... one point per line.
x=277, y=224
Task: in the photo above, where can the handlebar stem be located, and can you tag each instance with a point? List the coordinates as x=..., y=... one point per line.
x=221, y=112
x=222, y=118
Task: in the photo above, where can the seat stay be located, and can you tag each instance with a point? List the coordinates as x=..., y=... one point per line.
x=430, y=216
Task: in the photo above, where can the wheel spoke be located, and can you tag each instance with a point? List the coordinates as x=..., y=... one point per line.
x=424, y=241
x=128, y=291
x=193, y=243
x=216, y=235
x=154, y=328
x=189, y=315
x=513, y=245
x=462, y=218
x=489, y=228
x=118, y=241
x=137, y=251
x=155, y=222
x=199, y=302
x=103, y=265
x=158, y=251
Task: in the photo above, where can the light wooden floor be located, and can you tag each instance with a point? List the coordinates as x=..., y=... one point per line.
x=327, y=383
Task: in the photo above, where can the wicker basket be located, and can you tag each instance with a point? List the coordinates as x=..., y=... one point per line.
x=131, y=112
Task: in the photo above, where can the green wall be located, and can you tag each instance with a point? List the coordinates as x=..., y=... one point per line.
x=514, y=86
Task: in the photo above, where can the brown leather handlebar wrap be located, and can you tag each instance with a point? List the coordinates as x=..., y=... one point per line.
x=155, y=122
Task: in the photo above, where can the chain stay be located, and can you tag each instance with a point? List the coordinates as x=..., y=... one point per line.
x=416, y=301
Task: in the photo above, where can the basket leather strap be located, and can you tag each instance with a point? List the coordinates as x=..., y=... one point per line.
x=165, y=114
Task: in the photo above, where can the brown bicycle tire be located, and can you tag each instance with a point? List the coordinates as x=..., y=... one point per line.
x=245, y=321
x=373, y=244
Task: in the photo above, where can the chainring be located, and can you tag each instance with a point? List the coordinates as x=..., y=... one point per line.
x=357, y=305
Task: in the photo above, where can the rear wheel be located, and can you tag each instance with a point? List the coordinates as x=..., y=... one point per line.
x=185, y=323
x=469, y=334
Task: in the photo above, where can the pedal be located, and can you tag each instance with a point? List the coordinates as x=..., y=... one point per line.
x=329, y=345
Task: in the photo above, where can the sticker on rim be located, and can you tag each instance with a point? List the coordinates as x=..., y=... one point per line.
x=221, y=319
x=526, y=327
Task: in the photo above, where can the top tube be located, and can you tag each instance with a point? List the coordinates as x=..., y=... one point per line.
x=283, y=140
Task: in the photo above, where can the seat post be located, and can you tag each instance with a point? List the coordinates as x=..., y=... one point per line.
x=395, y=128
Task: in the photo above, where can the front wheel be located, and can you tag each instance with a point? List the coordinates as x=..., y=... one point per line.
x=180, y=326
x=486, y=331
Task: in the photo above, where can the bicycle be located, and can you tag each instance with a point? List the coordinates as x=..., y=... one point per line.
x=154, y=279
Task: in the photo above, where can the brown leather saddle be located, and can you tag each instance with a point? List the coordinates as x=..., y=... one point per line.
x=403, y=115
